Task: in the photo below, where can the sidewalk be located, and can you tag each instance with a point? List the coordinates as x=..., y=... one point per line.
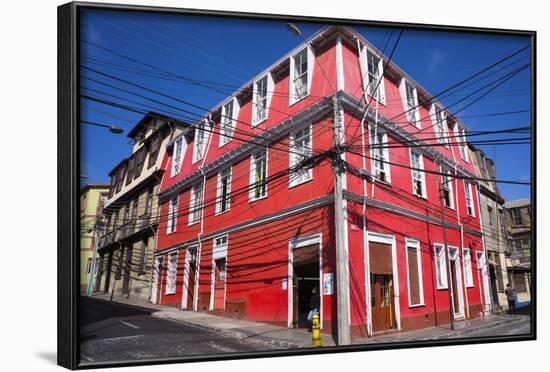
x=288, y=338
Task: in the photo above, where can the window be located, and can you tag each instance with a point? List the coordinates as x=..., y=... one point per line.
x=219, y=257
x=89, y=266
x=260, y=100
x=149, y=202
x=258, y=175
x=414, y=273
x=130, y=175
x=447, y=186
x=300, y=147
x=463, y=146
x=441, y=266
x=199, y=144
x=440, y=124
x=227, y=122
x=177, y=156
x=113, y=184
x=418, y=176
x=517, y=217
x=120, y=178
x=143, y=258
x=467, y=259
x=380, y=155
x=223, y=190
x=411, y=106
x=469, y=199
x=195, y=204
x=172, y=273
x=490, y=213
x=299, y=83
x=155, y=148
x=375, y=77
x=172, y=215
x=140, y=159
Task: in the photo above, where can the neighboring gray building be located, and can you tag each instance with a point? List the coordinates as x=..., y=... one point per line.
x=518, y=226
x=494, y=229
x=130, y=214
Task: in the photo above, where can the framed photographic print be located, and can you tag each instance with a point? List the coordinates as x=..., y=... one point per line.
x=237, y=185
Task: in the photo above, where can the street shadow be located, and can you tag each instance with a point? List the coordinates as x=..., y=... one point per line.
x=48, y=356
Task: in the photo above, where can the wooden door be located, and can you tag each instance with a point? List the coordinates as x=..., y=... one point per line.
x=456, y=305
x=191, y=286
x=219, y=284
x=382, y=303
x=381, y=276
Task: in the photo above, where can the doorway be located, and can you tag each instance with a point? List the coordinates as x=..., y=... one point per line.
x=456, y=282
x=188, y=297
x=305, y=278
x=382, y=307
x=157, y=267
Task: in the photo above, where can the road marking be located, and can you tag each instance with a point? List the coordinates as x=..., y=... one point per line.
x=221, y=348
x=87, y=358
x=129, y=324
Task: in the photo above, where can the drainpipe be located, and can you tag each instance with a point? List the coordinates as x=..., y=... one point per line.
x=201, y=232
x=446, y=250
x=366, y=259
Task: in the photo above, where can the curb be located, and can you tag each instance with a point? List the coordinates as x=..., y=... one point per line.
x=234, y=334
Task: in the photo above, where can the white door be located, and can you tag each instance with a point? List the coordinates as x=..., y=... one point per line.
x=155, y=279
x=456, y=285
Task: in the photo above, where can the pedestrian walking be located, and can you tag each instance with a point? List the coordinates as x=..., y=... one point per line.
x=511, y=297
x=313, y=306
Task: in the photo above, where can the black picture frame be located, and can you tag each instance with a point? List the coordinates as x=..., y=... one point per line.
x=69, y=184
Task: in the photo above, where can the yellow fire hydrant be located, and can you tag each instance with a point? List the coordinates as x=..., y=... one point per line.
x=316, y=334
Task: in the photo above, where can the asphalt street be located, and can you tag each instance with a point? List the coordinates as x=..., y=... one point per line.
x=115, y=332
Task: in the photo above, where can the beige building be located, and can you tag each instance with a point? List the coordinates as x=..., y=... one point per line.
x=494, y=229
x=130, y=217
x=518, y=227
x=92, y=198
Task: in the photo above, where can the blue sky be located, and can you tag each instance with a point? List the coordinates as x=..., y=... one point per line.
x=229, y=52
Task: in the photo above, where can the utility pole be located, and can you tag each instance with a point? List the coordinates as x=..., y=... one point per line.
x=447, y=256
x=342, y=281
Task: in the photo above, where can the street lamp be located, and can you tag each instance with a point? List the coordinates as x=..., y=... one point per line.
x=342, y=282
x=111, y=128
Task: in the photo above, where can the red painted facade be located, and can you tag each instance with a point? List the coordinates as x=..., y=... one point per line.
x=264, y=235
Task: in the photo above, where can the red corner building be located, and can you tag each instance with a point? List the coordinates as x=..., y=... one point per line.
x=247, y=204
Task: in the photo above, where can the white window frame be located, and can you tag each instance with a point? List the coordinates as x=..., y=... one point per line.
x=228, y=122
x=177, y=157
x=172, y=222
x=413, y=243
x=469, y=197
x=252, y=179
x=199, y=147
x=418, y=175
x=195, y=200
x=441, y=132
x=467, y=263
x=293, y=96
x=368, y=84
x=171, y=274
x=385, y=154
x=410, y=112
x=294, y=158
x=219, y=190
x=448, y=185
x=440, y=272
x=463, y=146
x=269, y=92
